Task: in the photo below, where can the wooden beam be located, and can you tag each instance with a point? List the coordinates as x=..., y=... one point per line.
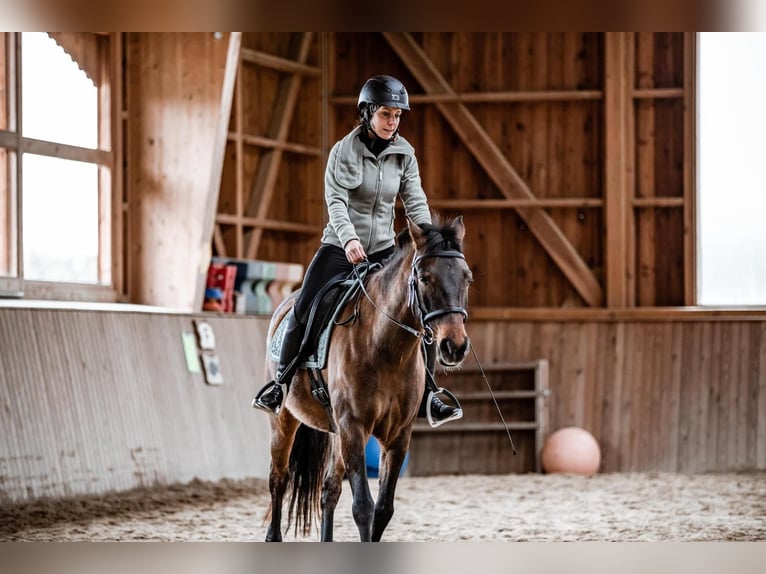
x=272, y=224
x=54, y=149
x=494, y=97
x=642, y=314
x=276, y=63
x=111, y=195
x=239, y=164
x=261, y=141
x=216, y=167
x=630, y=171
x=658, y=93
x=546, y=202
x=498, y=168
x=220, y=245
x=657, y=201
x=618, y=193
x=268, y=168
x=645, y=185
x=690, y=168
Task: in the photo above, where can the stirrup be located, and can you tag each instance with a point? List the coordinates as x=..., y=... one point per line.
x=257, y=404
x=458, y=414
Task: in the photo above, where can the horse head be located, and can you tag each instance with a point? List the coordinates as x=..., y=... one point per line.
x=439, y=287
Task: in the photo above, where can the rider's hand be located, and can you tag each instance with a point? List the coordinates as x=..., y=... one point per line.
x=355, y=252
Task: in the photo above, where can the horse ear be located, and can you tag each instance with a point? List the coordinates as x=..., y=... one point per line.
x=415, y=232
x=459, y=228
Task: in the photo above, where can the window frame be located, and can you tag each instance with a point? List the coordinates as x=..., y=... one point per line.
x=108, y=158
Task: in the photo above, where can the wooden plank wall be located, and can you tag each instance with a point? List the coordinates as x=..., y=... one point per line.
x=660, y=395
x=94, y=401
x=293, y=217
x=483, y=442
x=553, y=145
x=540, y=99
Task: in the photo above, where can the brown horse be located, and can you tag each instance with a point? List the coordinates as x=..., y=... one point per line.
x=375, y=377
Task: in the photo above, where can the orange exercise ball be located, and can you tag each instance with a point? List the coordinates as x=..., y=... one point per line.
x=571, y=450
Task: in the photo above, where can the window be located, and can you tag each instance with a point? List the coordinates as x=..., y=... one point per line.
x=731, y=101
x=57, y=165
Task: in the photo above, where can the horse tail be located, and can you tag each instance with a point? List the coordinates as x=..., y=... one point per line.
x=308, y=458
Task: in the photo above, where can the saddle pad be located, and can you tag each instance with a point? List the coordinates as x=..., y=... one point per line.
x=317, y=360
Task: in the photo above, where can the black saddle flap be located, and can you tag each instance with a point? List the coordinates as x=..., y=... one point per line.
x=327, y=303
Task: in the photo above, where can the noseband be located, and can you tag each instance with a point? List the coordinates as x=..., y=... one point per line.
x=415, y=299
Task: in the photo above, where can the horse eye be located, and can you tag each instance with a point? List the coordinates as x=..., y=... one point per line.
x=423, y=279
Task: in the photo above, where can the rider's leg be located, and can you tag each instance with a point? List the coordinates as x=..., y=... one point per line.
x=327, y=262
x=440, y=412
x=270, y=397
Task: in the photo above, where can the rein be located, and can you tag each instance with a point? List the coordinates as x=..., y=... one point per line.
x=407, y=328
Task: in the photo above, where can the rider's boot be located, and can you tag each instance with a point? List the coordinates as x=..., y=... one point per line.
x=271, y=396
x=435, y=410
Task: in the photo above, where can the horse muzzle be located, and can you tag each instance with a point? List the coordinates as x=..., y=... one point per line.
x=452, y=352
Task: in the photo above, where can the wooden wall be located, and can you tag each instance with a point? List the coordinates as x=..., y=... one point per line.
x=553, y=142
x=100, y=400
x=271, y=204
x=568, y=154
x=97, y=400
x=660, y=392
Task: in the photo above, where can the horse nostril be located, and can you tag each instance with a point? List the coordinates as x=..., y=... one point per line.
x=451, y=349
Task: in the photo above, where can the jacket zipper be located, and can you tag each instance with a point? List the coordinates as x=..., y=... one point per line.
x=375, y=205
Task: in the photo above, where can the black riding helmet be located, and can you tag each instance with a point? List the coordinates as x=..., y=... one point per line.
x=381, y=91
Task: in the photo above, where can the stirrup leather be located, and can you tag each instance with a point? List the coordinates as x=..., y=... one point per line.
x=458, y=414
x=257, y=404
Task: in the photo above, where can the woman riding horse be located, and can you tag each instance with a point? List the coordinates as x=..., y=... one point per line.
x=375, y=371
x=366, y=171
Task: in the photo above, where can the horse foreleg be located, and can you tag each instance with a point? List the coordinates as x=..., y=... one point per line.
x=362, y=507
x=391, y=464
x=283, y=431
x=331, y=490
x=277, y=486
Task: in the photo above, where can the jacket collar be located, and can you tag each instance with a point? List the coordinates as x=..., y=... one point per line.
x=349, y=164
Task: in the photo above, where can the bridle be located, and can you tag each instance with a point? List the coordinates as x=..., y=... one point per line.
x=415, y=300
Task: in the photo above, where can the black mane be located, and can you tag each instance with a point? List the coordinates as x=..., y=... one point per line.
x=439, y=237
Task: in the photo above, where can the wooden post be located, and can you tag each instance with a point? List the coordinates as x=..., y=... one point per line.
x=690, y=168
x=618, y=168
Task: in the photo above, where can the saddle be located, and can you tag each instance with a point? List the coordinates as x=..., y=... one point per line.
x=324, y=316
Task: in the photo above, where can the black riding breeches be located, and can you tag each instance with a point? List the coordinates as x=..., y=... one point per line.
x=329, y=262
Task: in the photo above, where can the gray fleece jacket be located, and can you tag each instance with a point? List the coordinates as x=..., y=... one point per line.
x=361, y=190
